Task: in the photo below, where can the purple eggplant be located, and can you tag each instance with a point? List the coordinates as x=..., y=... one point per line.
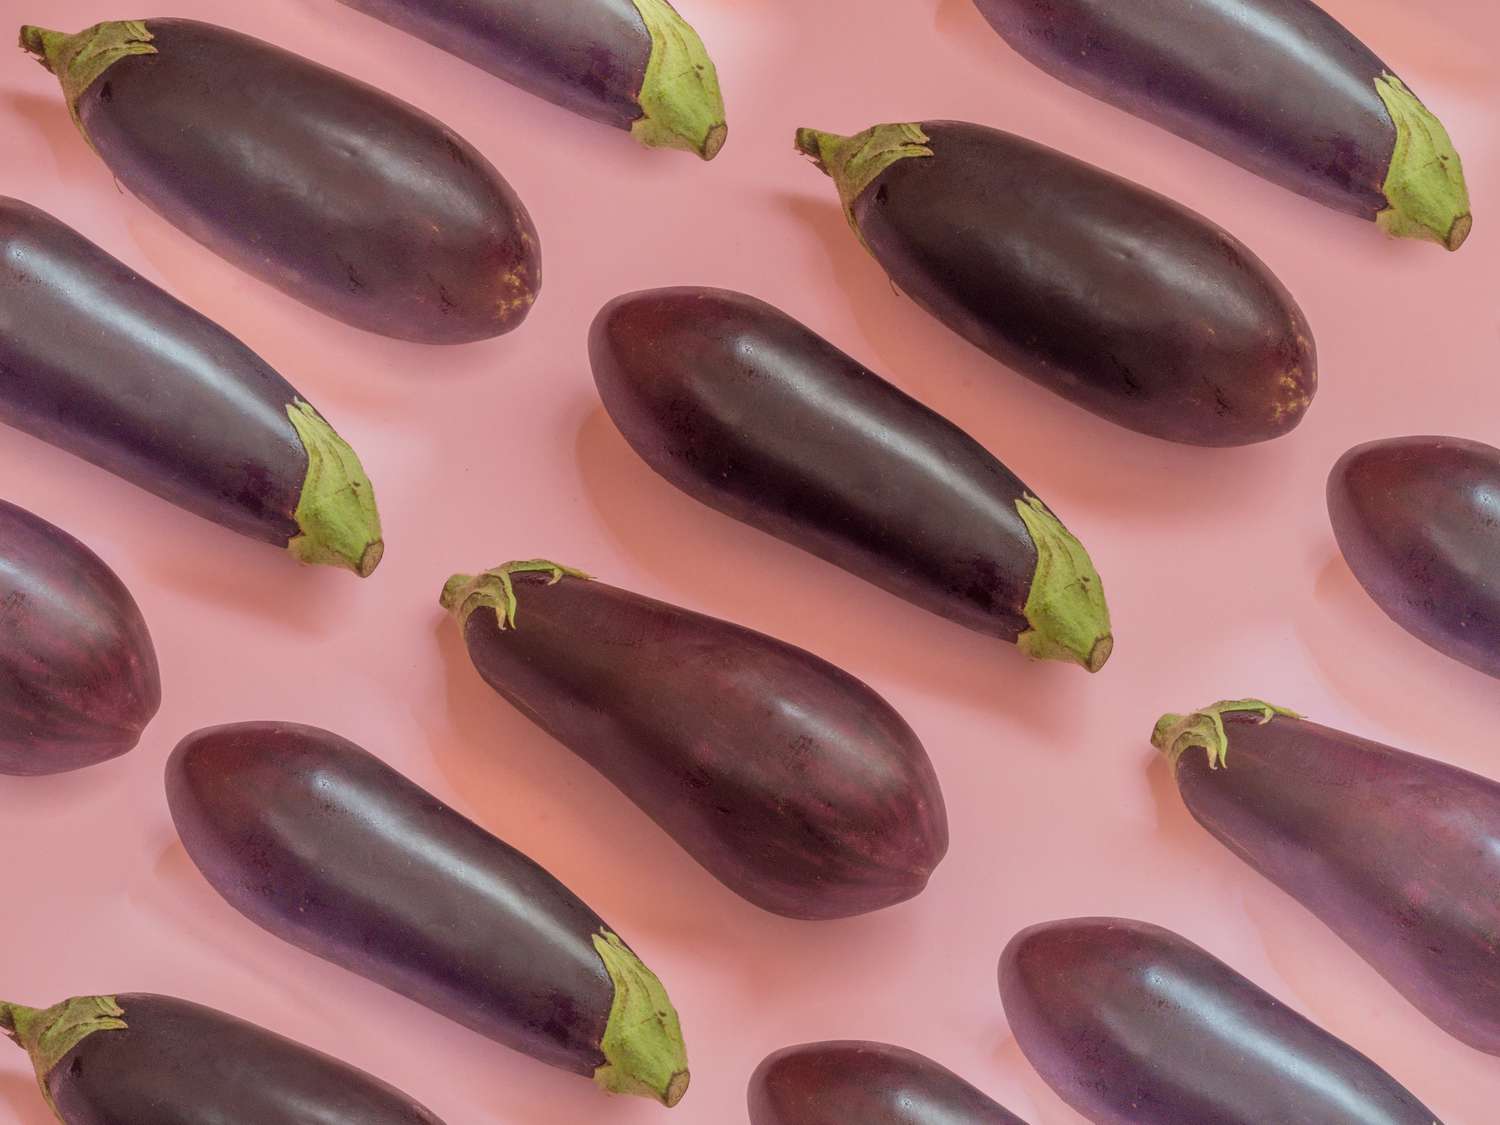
x=1114, y=297
x=156, y=1060
x=1418, y=520
x=743, y=408
x=333, y=851
x=633, y=64
x=355, y=203
x=790, y=781
x=102, y=363
x=78, y=677
x=1398, y=854
x=1133, y=1025
x=867, y=1083
x=1278, y=86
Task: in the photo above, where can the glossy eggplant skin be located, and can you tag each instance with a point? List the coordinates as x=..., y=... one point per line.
x=157, y=1060
x=792, y=782
x=1417, y=520
x=349, y=200
x=78, y=675
x=1116, y=298
x=869, y=1083
x=1398, y=854
x=1132, y=1024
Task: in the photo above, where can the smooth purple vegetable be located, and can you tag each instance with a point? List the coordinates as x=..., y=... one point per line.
x=1278, y=86
x=1133, y=1025
x=78, y=677
x=1398, y=854
x=1114, y=297
x=156, y=1060
x=633, y=64
x=338, y=194
x=333, y=851
x=1418, y=520
x=792, y=782
x=100, y=362
x=743, y=408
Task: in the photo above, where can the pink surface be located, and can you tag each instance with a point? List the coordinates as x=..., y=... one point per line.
x=1221, y=571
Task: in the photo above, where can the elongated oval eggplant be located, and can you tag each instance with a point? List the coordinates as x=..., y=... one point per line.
x=750, y=412
x=1132, y=1024
x=102, y=363
x=338, y=194
x=1114, y=297
x=78, y=676
x=1398, y=854
x=330, y=849
x=868, y=1083
x=1418, y=521
x=790, y=781
x=155, y=1060
x=633, y=64
x=1278, y=86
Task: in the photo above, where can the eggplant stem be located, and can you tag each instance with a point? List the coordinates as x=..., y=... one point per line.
x=79, y=60
x=681, y=104
x=464, y=593
x=854, y=163
x=337, y=522
x=642, y=1042
x=47, y=1035
x=1425, y=183
x=1065, y=606
x=1174, y=735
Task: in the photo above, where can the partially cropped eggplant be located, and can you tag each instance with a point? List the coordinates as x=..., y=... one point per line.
x=156, y=1060
x=633, y=64
x=78, y=677
x=1418, y=520
x=1398, y=854
x=792, y=782
x=1278, y=86
x=351, y=201
x=1133, y=1025
x=102, y=363
x=747, y=410
x=1114, y=297
x=330, y=849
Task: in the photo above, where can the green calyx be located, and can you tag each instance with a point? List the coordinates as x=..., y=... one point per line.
x=1425, y=185
x=853, y=163
x=78, y=60
x=336, y=512
x=48, y=1035
x=1065, y=607
x=681, y=105
x=642, y=1044
x=464, y=593
x=1176, y=734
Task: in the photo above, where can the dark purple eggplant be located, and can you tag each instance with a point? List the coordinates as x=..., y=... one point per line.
x=743, y=408
x=156, y=1060
x=867, y=1083
x=1418, y=520
x=1278, y=86
x=1114, y=297
x=793, y=783
x=333, y=851
x=1398, y=854
x=100, y=362
x=78, y=677
x=1132, y=1024
x=633, y=64
x=338, y=194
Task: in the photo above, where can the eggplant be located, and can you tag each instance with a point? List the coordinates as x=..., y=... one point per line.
x=155, y=1060
x=868, y=1083
x=331, y=850
x=1278, y=86
x=1398, y=854
x=1114, y=297
x=790, y=781
x=634, y=64
x=78, y=675
x=102, y=363
x=1416, y=519
x=353, y=202
x=750, y=412
x=1132, y=1024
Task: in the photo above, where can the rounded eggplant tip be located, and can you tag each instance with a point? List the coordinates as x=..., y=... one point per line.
x=681, y=104
x=336, y=517
x=1425, y=189
x=642, y=1043
x=1174, y=735
x=1065, y=607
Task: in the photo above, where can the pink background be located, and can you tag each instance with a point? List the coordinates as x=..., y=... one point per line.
x=1221, y=571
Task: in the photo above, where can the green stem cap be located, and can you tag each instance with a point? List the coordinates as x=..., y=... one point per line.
x=1065, y=607
x=1174, y=735
x=853, y=163
x=681, y=104
x=78, y=60
x=642, y=1042
x=464, y=593
x=1425, y=186
x=336, y=512
x=48, y=1035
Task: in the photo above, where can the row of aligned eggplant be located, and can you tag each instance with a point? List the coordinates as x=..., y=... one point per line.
x=791, y=781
